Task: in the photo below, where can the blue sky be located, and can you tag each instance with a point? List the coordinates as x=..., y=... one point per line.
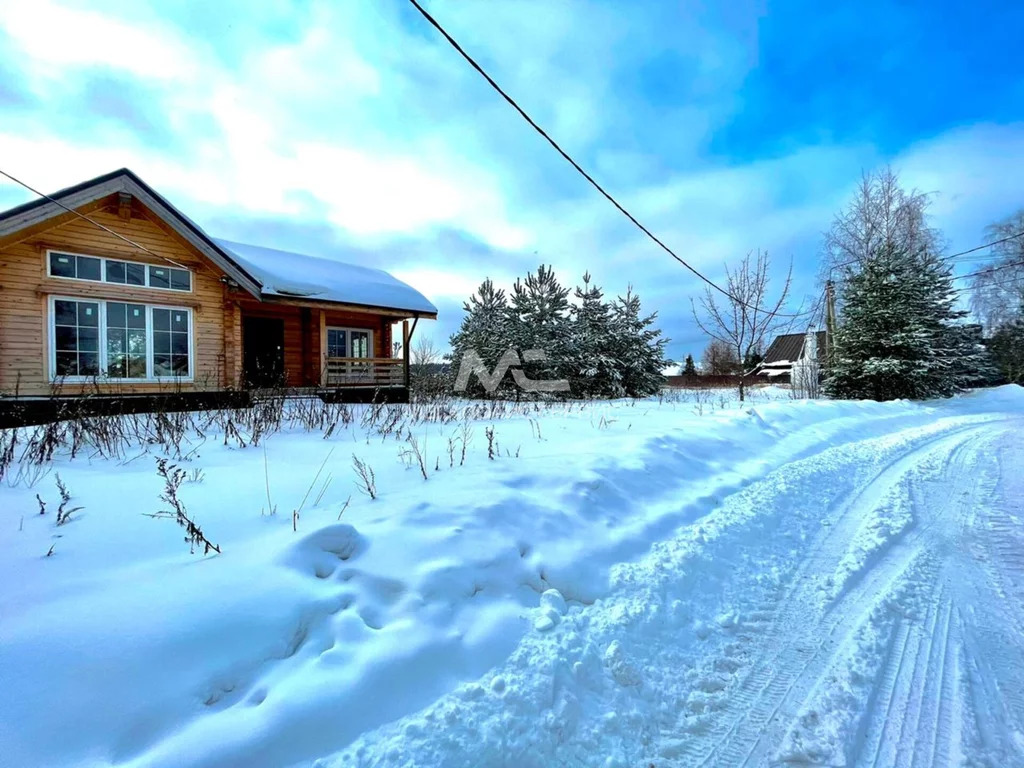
x=351, y=129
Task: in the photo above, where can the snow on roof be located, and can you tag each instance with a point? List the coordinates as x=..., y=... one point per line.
x=297, y=276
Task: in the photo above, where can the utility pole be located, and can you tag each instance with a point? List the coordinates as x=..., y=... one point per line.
x=830, y=322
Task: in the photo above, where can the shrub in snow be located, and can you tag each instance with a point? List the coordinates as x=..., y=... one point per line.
x=366, y=481
x=173, y=476
x=63, y=511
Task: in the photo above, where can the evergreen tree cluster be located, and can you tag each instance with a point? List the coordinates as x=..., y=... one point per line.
x=603, y=348
x=900, y=334
x=1007, y=349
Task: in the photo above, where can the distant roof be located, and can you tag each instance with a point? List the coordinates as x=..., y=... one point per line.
x=263, y=272
x=297, y=276
x=789, y=347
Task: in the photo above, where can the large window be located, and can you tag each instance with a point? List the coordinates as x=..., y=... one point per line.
x=349, y=342
x=119, y=341
x=102, y=270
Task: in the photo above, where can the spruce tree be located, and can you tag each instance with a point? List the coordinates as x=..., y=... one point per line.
x=485, y=330
x=900, y=333
x=539, y=320
x=591, y=364
x=637, y=347
x=689, y=369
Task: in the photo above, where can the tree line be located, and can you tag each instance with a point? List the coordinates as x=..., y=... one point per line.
x=900, y=327
x=603, y=348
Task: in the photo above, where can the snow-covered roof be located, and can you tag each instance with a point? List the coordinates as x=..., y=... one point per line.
x=297, y=276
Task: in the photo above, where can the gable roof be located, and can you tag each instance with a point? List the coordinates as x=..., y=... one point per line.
x=788, y=347
x=262, y=272
x=123, y=180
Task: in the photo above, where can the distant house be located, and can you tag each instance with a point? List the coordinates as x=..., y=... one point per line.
x=784, y=352
x=137, y=298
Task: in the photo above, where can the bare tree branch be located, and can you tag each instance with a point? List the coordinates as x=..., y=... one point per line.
x=747, y=317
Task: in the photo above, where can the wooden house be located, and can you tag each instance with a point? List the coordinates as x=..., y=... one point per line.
x=107, y=288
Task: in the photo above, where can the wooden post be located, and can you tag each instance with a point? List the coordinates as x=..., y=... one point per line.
x=232, y=340
x=309, y=376
x=406, y=336
x=323, y=348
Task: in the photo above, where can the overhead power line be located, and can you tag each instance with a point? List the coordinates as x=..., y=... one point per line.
x=1017, y=280
x=987, y=245
x=512, y=102
x=106, y=229
x=991, y=269
x=951, y=256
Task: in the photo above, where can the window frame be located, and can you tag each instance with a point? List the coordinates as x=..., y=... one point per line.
x=47, y=252
x=347, y=330
x=51, y=333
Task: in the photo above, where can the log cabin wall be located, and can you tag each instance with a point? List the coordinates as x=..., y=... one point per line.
x=25, y=288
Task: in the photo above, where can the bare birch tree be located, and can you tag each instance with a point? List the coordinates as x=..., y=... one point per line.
x=425, y=353
x=746, y=317
x=880, y=212
x=997, y=291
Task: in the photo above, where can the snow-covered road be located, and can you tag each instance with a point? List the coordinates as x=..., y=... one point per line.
x=807, y=583
x=862, y=606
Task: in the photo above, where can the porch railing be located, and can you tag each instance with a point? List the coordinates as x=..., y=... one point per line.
x=364, y=372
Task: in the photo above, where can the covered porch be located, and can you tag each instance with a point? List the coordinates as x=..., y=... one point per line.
x=324, y=348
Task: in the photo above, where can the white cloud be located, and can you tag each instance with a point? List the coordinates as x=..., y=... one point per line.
x=354, y=119
x=56, y=37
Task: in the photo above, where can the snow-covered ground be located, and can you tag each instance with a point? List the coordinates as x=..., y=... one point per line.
x=667, y=583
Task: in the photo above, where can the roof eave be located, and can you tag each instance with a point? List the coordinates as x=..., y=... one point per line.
x=273, y=298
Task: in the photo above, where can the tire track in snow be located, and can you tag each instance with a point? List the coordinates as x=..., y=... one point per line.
x=894, y=691
x=785, y=673
x=775, y=641
x=772, y=681
x=991, y=613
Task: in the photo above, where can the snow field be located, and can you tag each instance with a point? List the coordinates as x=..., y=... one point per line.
x=641, y=584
